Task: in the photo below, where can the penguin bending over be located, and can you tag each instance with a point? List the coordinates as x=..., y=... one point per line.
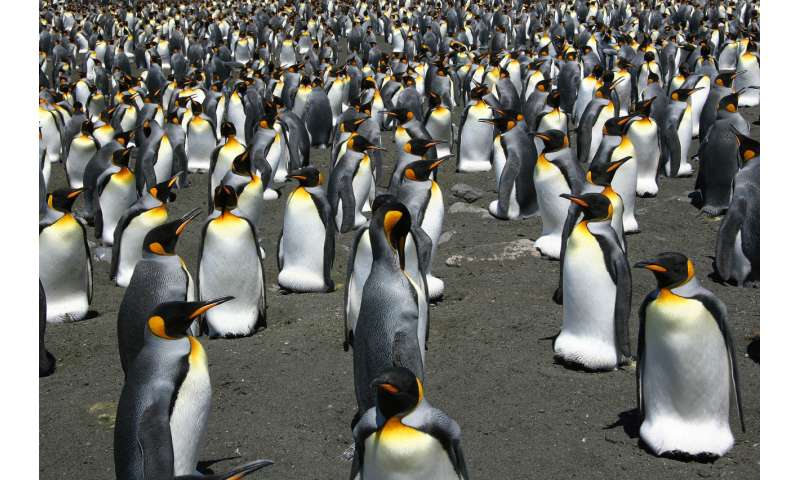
x=162, y=411
x=596, y=291
x=306, y=243
x=403, y=436
x=686, y=364
x=230, y=262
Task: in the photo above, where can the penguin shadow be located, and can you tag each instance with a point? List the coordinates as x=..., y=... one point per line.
x=630, y=422
x=696, y=199
x=754, y=350
x=91, y=314
x=204, y=466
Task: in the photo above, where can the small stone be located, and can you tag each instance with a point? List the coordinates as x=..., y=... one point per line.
x=446, y=236
x=466, y=192
x=461, y=207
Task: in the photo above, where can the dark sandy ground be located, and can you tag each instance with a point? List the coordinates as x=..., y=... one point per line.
x=287, y=392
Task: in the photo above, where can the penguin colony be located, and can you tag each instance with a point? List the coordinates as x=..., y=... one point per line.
x=575, y=109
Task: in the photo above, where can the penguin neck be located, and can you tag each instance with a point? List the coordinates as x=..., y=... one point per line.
x=383, y=253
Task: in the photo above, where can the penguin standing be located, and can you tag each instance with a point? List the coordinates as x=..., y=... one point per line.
x=513, y=158
x=247, y=185
x=160, y=276
x=222, y=158
x=79, y=152
x=686, y=364
x=230, y=262
x=65, y=263
x=615, y=145
x=306, y=243
x=403, y=436
x=556, y=173
x=423, y=197
x=738, y=249
x=393, y=318
x=148, y=212
x=596, y=291
x=201, y=139
x=749, y=81
x=438, y=122
x=115, y=192
x=643, y=134
x=317, y=115
x=678, y=133
x=164, y=404
x=474, y=152
x=349, y=184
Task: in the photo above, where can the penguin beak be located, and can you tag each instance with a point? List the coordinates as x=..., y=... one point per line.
x=75, y=193
x=542, y=136
x=375, y=147
x=438, y=162
x=188, y=217
x=208, y=306
x=650, y=265
x=174, y=179
x=388, y=388
x=576, y=200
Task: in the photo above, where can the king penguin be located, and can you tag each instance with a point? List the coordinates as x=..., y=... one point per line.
x=738, y=249
x=393, y=319
x=404, y=436
x=201, y=139
x=115, y=192
x=230, y=262
x=148, y=212
x=596, y=291
x=474, y=152
x=164, y=404
x=79, y=152
x=306, y=244
x=65, y=262
x=160, y=276
x=677, y=132
x=556, y=173
x=222, y=158
x=643, y=134
x=349, y=184
x=686, y=364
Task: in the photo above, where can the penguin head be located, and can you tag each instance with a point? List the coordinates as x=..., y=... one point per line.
x=121, y=158
x=682, y=94
x=360, y=144
x=553, y=140
x=643, y=107
x=554, y=99
x=393, y=219
x=434, y=100
x=351, y=125
x=748, y=148
x=241, y=164
x=617, y=126
x=503, y=121
x=163, y=239
x=163, y=191
x=122, y=137
x=171, y=320
x=227, y=129
x=87, y=127
x=671, y=269
x=478, y=92
x=419, y=146
x=402, y=114
x=398, y=391
x=544, y=85
x=596, y=207
x=420, y=170
x=653, y=78
x=225, y=198
x=602, y=174
x=725, y=78
x=197, y=108
x=307, y=176
x=63, y=199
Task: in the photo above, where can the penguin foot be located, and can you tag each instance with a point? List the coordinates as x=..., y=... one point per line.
x=646, y=194
x=713, y=211
x=270, y=194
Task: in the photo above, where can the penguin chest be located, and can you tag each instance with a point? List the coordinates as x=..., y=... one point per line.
x=163, y=160
x=128, y=120
x=80, y=153
x=686, y=364
x=644, y=136
x=589, y=292
x=192, y=404
x=200, y=142
x=434, y=214
x=116, y=197
x=550, y=184
x=303, y=242
x=251, y=200
x=398, y=452
x=225, y=157
x=62, y=255
x=362, y=181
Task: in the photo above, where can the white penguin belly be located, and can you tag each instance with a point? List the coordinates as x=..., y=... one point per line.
x=685, y=379
x=606, y=113
x=550, y=183
x=685, y=138
x=644, y=136
x=398, y=452
x=63, y=270
x=698, y=100
x=237, y=117
x=230, y=266
x=554, y=120
x=163, y=164
x=432, y=225
x=225, y=157
x=302, y=245
x=128, y=121
x=50, y=134
x=130, y=250
x=362, y=266
x=475, y=149
x=192, y=404
x=741, y=267
x=439, y=127
x=587, y=334
x=200, y=142
x=624, y=183
x=362, y=182
x=80, y=153
x=251, y=201
x=750, y=78
x=118, y=195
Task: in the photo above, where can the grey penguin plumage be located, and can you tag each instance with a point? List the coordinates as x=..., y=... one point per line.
x=162, y=410
x=596, y=291
x=47, y=362
x=685, y=347
x=318, y=116
x=349, y=184
x=160, y=276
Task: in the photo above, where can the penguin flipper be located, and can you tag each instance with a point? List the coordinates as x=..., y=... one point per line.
x=329, y=249
x=180, y=165
x=569, y=225
x=585, y=126
x=155, y=437
x=406, y=352
x=641, y=351
x=89, y=267
x=508, y=179
x=617, y=266
x=366, y=426
x=348, y=331
x=720, y=314
x=98, y=212
x=439, y=425
x=726, y=238
x=212, y=166
x=123, y=223
x=348, y=199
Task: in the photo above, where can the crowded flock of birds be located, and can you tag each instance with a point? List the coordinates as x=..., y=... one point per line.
x=578, y=108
